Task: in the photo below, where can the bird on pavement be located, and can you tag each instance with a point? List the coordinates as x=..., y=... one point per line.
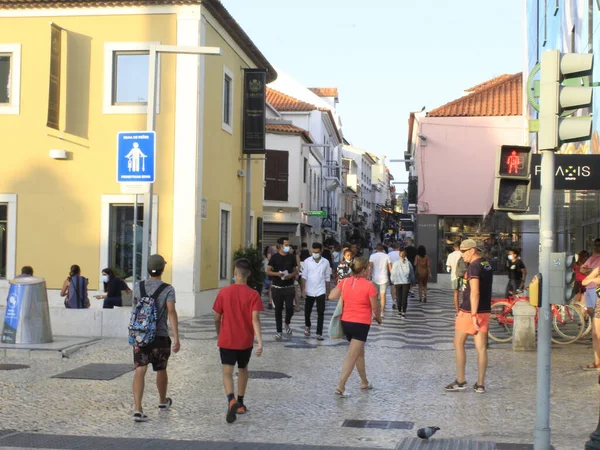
x=426, y=433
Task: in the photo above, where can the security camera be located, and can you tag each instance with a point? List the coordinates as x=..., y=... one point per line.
x=422, y=136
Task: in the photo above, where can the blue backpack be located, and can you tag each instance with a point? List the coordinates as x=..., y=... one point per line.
x=142, y=324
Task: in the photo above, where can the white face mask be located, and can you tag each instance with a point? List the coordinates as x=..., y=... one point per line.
x=105, y=278
x=286, y=249
x=510, y=257
x=316, y=255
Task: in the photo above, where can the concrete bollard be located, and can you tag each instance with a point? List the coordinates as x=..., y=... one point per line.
x=524, y=327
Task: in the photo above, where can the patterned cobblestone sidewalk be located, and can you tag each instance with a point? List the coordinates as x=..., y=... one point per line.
x=409, y=362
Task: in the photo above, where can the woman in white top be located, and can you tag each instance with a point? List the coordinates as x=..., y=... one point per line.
x=402, y=277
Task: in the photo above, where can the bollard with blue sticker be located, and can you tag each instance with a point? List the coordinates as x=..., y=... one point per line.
x=27, y=315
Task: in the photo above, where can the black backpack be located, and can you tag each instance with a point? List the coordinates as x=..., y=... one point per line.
x=461, y=268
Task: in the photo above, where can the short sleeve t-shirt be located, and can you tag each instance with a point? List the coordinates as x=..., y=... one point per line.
x=167, y=295
x=592, y=262
x=515, y=270
x=356, y=294
x=394, y=256
x=482, y=270
x=381, y=263
x=282, y=263
x=114, y=287
x=452, y=261
x=235, y=304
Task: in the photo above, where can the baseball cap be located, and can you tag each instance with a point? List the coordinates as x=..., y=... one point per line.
x=468, y=244
x=156, y=263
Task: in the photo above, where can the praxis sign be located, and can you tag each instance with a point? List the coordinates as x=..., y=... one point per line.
x=576, y=172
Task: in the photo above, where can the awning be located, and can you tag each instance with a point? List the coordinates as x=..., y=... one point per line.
x=280, y=227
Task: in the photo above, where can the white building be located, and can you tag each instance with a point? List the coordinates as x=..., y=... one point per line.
x=364, y=170
x=302, y=136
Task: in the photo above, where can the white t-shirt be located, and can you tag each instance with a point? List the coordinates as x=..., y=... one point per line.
x=394, y=256
x=452, y=261
x=381, y=263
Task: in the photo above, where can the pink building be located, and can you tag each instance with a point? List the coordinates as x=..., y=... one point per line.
x=454, y=151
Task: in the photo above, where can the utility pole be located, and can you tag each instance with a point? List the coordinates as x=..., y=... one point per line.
x=554, y=131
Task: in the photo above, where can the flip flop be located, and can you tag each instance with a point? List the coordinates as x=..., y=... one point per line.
x=368, y=387
x=341, y=394
x=592, y=367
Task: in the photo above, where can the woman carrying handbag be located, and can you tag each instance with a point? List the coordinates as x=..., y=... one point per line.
x=360, y=305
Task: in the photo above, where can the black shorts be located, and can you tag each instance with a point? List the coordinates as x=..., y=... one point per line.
x=354, y=330
x=156, y=353
x=231, y=357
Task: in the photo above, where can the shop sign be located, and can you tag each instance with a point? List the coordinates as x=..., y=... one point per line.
x=317, y=213
x=576, y=172
x=254, y=114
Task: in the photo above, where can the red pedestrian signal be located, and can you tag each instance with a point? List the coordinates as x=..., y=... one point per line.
x=513, y=181
x=515, y=161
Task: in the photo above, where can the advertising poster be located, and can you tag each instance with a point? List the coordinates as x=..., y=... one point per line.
x=11, y=319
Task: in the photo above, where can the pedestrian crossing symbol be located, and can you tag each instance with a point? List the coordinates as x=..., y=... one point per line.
x=136, y=151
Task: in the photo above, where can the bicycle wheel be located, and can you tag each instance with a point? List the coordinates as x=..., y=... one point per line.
x=568, y=322
x=501, y=322
x=587, y=327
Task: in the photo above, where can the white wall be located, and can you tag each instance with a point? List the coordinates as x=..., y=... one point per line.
x=293, y=145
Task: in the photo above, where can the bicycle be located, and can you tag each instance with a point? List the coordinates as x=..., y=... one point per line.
x=567, y=321
x=587, y=328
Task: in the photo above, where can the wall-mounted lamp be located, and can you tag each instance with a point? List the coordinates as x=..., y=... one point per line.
x=423, y=139
x=58, y=154
x=280, y=210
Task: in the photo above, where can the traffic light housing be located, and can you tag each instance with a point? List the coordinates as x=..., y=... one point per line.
x=562, y=278
x=557, y=101
x=535, y=291
x=513, y=180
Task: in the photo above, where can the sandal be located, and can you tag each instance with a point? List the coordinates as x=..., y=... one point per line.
x=341, y=394
x=368, y=387
x=592, y=367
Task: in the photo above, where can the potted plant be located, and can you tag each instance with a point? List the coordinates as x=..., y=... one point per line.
x=255, y=257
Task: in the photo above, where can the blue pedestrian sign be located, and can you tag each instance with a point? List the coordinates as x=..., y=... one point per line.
x=136, y=156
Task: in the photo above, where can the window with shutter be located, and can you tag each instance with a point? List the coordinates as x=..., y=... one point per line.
x=276, y=175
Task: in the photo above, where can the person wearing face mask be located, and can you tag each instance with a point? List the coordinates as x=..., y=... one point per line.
x=113, y=286
x=316, y=276
x=343, y=269
x=283, y=269
x=517, y=273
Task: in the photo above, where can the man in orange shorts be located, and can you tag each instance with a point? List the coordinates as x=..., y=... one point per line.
x=473, y=316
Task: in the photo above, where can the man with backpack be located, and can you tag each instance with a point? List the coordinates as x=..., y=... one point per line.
x=149, y=334
x=237, y=320
x=456, y=265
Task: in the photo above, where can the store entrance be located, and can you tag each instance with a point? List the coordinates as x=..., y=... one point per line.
x=495, y=233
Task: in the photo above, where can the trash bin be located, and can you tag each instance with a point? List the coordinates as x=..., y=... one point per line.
x=27, y=317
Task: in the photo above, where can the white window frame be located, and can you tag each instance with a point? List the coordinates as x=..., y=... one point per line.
x=122, y=199
x=109, y=50
x=225, y=207
x=228, y=127
x=11, y=237
x=14, y=107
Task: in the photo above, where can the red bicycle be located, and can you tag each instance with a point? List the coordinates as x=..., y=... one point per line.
x=568, y=323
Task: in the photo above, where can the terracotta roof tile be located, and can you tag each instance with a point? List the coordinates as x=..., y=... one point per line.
x=325, y=92
x=489, y=83
x=214, y=7
x=500, y=96
x=283, y=102
x=288, y=129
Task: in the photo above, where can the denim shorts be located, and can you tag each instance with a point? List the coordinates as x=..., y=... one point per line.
x=590, y=298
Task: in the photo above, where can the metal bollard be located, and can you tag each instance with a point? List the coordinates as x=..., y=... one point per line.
x=524, y=327
x=27, y=317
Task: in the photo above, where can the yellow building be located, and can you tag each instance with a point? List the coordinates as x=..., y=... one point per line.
x=60, y=203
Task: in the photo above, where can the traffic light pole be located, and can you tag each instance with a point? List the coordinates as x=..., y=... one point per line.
x=542, y=423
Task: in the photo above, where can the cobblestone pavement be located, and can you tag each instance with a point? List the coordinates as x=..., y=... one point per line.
x=408, y=362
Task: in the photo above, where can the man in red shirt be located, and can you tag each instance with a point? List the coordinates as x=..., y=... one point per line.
x=237, y=320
